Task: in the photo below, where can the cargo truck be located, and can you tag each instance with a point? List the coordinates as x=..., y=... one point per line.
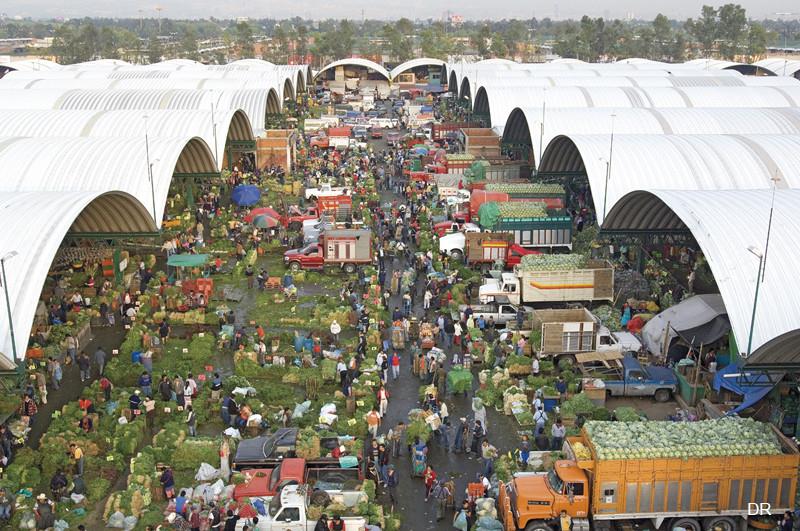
x=483, y=248
x=593, y=281
x=713, y=492
x=531, y=223
x=480, y=196
x=347, y=248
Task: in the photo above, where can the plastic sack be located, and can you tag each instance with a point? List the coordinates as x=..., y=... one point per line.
x=122, y=421
x=460, y=521
x=136, y=357
x=217, y=487
x=206, y=472
x=199, y=492
x=486, y=523
x=259, y=506
x=116, y=520
x=244, y=391
x=77, y=498
x=328, y=419
x=28, y=521
x=233, y=432
x=484, y=504
x=60, y=525
x=111, y=407
x=327, y=408
x=129, y=524
x=301, y=409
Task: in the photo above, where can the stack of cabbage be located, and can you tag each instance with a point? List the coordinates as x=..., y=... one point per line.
x=660, y=439
x=522, y=209
x=531, y=189
x=552, y=262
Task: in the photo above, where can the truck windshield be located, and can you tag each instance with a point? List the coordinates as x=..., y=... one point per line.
x=275, y=477
x=555, y=482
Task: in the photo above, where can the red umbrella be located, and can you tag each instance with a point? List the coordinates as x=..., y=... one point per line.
x=265, y=222
x=261, y=211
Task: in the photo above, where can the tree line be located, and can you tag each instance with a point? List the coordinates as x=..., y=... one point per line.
x=723, y=32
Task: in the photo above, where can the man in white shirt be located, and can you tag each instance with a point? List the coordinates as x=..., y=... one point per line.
x=540, y=418
x=535, y=365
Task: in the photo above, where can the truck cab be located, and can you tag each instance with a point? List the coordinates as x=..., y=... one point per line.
x=534, y=501
x=288, y=511
x=267, y=482
x=506, y=286
x=308, y=257
x=446, y=227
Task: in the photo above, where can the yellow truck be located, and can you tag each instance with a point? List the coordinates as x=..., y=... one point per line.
x=692, y=487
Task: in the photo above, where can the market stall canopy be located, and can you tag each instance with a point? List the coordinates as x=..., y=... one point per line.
x=265, y=222
x=265, y=211
x=246, y=195
x=753, y=387
x=701, y=319
x=187, y=260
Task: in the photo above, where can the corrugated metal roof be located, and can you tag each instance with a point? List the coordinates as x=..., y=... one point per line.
x=36, y=239
x=101, y=164
x=524, y=125
x=781, y=67
x=675, y=162
x=230, y=125
x=358, y=61
x=725, y=223
x=415, y=63
x=256, y=103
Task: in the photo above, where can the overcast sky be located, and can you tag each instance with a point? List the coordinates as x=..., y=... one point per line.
x=383, y=9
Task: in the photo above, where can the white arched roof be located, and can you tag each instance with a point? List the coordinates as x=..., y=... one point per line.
x=781, y=67
x=175, y=64
x=34, y=65
x=502, y=100
x=358, y=61
x=524, y=125
x=414, y=63
x=99, y=64
x=36, y=239
x=256, y=103
x=674, y=162
x=725, y=223
x=230, y=125
x=101, y=164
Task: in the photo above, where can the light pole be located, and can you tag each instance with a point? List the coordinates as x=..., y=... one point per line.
x=3, y=259
x=755, y=252
x=150, y=169
x=608, y=167
x=775, y=181
x=214, y=129
x=541, y=126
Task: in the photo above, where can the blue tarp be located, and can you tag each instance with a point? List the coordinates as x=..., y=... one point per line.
x=246, y=195
x=758, y=385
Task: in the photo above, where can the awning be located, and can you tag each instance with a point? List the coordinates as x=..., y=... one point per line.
x=698, y=320
x=187, y=260
x=752, y=386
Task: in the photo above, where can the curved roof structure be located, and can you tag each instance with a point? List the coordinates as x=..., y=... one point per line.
x=725, y=223
x=102, y=164
x=498, y=101
x=781, y=67
x=34, y=65
x=524, y=126
x=674, y=162
x=36, y=239
x=230, y=125
x=742, y=68
x=256, y=103
x=358, y=61
x=415, y=63
x=99, y=64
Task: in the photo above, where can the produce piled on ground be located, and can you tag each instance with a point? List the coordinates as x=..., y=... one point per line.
x=658, y=439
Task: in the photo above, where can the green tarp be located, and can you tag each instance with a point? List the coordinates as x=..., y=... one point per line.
x=488, y=215
x=187, y=260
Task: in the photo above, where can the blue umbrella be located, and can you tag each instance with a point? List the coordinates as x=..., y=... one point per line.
x=246, y=195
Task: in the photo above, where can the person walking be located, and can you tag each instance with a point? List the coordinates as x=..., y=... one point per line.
x=392, y=481
x=146, y=383
x=336, y=329
x=84, y=365
x=72, y=348
x=373, y=422
x=41, y=384
x=395, y=362
x=100, y=357
x=488, y=455
x=477, y=437
x=429, y=477
x=76, y=454
x=191, y=421
x=540, y=418
x=558, y=432
x=55, y=372
x=163, y=331
x=383, y=400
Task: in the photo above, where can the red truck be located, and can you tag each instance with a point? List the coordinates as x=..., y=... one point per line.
x=483, y=248
x=338, y=206
x=347, y=248
x=320, y=141
x=267, y=482
x=456, y=225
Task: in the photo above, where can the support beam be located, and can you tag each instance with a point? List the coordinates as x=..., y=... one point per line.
x=241, y=145
x=110, y=235
x=196, y=176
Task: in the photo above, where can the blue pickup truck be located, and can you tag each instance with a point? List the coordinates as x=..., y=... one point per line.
x=630, y=378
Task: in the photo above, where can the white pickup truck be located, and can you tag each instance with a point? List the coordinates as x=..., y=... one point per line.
x=289, y=512
x=325, y=190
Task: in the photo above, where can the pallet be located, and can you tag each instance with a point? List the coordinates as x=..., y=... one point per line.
x=273, y=283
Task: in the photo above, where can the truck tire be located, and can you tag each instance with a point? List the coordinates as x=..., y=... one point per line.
x=456, y=254
x=294, y=266
x=720, y=523
x=689, y=524
x=662, y=395
x=313, y=198
x=350, y=268
x=538, y=526
x=569, y=361
x=295, y=225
